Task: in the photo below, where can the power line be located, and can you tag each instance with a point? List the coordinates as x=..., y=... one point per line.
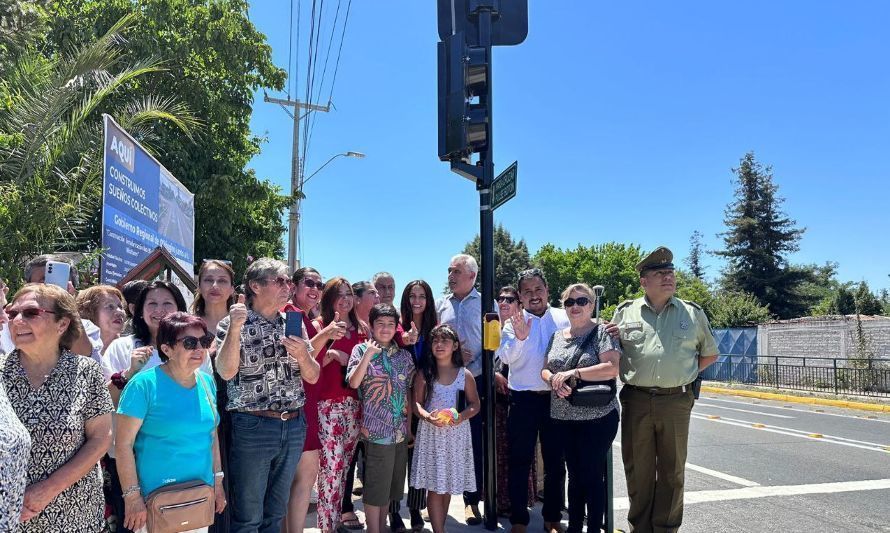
x=327, y=56
x=339, y=51
x=290, y=48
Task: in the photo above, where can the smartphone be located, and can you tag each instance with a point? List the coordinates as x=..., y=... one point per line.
x=293, y=324
x=57, y=273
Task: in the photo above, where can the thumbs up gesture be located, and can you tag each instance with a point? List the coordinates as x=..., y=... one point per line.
x=411, y=336
x=238, y=313
x=337, y=328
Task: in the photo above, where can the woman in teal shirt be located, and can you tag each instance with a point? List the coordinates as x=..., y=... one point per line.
x=167, y=431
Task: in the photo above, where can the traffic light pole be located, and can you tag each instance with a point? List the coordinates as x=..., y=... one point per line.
x=483, y=13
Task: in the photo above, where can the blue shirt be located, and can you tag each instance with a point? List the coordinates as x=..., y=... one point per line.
x=175, y=441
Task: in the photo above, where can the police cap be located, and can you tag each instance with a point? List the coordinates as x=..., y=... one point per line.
x=659, y=259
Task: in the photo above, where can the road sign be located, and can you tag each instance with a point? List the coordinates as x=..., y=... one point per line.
x=509, y=24
x=503, y=187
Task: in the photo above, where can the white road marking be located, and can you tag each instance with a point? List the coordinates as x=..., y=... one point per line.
x=789, y=408
x=713, y=473
x=796, y=433
x=749, y=493
x=741, y=410
x=725, y=477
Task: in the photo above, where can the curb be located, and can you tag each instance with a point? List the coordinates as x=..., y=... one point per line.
x=798, y=399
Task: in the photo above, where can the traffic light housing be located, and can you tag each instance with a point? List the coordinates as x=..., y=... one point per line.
x=464, y=75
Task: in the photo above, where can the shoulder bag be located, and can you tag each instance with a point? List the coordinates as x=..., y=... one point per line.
x=589, y=393
x=183, y=506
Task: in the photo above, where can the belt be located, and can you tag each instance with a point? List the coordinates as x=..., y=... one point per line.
x=539, y=392
x=661, y=391
x=281, y=415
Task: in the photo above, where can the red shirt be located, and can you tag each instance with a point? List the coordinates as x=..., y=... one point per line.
x=331, y=384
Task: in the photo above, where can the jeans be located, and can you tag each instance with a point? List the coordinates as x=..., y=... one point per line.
x=529, y=419
x=262, y=462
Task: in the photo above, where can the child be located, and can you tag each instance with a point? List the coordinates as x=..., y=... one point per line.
x=443, y=450
x=382, y=372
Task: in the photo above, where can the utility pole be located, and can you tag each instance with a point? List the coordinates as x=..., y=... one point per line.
x=296, y=173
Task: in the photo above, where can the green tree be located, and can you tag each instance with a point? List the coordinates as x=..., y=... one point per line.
x=758, y=239
x=729, y=309
x=693, y=260
x=51, y=162
x=214, y=59
x=693, y=289
x=612, y=265
x=510, y=257
x=866, y=302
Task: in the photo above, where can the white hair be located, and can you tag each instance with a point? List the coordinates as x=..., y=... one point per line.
x=467, y=260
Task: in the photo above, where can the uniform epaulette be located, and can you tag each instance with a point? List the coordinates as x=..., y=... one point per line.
x=693, y=304
x=624, y=304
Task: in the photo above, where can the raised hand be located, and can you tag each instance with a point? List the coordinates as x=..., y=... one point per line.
x=238, y=313
x=372, y=349
x=521, y=327
x=411, y=336
x=138, y=358
x=337, y=328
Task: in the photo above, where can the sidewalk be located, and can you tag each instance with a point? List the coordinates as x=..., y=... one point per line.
x=879, y=405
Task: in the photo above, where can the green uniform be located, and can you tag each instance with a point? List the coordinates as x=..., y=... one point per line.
x=659, y=361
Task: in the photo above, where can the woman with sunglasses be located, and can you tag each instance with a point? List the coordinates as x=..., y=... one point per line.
x=583, y=351
x=508, y=306
x=307, y=287
x=167, y=417
x=62, y=401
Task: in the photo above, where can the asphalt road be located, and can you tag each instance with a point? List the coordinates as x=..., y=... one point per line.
x=758, y=465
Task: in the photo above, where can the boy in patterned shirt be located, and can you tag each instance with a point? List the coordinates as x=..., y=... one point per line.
x=382, y=372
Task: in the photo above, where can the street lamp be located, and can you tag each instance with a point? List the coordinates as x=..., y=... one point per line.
x=357, y=155
x=293, y=261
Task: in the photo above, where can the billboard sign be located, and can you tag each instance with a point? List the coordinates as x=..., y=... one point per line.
x=143, y=206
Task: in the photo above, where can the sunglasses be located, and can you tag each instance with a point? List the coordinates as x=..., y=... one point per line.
x=190, y=343
x=29, y=313
x=280, y=281
x=581, y=302
x=312, y=284
x=507, y=299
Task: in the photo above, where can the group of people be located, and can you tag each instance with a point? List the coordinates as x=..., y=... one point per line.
x=110, y=396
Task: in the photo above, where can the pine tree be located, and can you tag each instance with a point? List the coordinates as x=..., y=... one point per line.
x=510, y=257
x=866, y=302
x=758, y=239
x=693, y=261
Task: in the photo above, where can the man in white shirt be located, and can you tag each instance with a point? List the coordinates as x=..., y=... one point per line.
x=524, y=342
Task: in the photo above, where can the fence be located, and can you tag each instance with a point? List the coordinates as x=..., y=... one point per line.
x=866, y=377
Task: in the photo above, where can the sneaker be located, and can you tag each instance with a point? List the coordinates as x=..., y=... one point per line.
x=472, y=515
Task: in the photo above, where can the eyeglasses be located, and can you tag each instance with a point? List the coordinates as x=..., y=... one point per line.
x=506, y=299
x=581, y=302
x=190, y=343
x=312, y=284
x=280, y=281
x=29, y=313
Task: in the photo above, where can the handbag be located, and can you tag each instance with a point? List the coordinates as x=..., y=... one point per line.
x=183, y=506
x=589, y=393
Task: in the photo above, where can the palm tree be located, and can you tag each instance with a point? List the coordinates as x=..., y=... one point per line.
x=51, y=141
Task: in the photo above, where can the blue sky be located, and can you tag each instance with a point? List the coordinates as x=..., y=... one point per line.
x=625, y=117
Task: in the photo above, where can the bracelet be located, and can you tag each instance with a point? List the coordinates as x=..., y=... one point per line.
x=118, y=380
x=132, y=489
x=219, y=474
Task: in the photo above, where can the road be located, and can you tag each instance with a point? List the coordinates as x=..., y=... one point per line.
x=758, y=465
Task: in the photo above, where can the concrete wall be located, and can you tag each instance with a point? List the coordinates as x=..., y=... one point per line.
x=823, y=337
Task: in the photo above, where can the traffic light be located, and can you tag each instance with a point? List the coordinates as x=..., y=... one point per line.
x=463, y=103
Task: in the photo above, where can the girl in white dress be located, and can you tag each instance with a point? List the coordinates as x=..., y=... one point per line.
x=443, y=449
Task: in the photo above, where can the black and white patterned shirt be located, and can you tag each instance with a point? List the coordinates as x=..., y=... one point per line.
x=55, y=414
x=268, y=378
x=15, y=447
x=561, y=352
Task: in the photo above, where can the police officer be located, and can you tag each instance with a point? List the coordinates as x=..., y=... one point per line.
x=666, y=343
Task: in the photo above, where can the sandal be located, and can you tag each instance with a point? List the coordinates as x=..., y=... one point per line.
x=353, y=524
